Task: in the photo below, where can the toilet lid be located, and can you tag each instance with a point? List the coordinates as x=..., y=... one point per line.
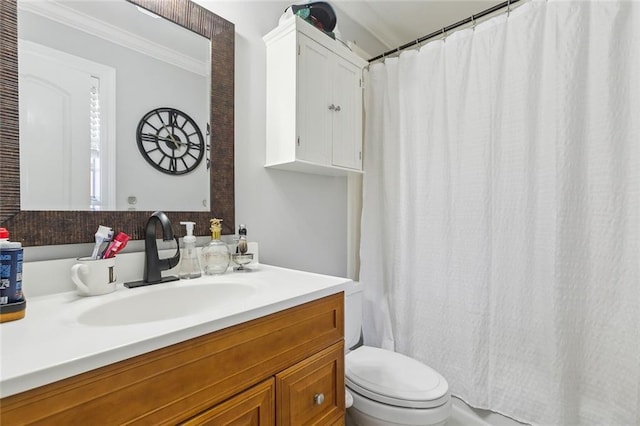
x=395, y=379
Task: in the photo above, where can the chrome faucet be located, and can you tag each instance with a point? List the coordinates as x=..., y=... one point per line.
x=153, y=265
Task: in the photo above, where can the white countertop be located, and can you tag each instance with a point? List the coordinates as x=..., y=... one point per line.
x=50, y=344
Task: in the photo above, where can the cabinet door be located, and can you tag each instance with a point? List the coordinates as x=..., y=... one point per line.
x=253, y=407
x=312, y=392
x=314, y=116
x=347, y=117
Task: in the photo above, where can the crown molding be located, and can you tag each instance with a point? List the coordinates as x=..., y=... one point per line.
x=364, y=15
x=89, y=24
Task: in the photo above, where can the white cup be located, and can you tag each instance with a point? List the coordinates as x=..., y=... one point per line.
x=94, y=277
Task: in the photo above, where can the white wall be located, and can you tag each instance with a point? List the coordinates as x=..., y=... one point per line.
x=299, y=220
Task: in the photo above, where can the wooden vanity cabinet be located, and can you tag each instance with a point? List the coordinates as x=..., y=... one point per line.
x=268, y=371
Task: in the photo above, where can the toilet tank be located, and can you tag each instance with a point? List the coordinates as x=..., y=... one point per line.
x=352, y=314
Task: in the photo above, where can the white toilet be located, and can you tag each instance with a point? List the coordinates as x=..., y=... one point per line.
x=388, y=388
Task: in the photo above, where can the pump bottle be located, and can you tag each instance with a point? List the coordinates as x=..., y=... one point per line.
x=189, y=264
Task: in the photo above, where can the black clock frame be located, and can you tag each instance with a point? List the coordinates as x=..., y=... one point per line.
x=165, y=136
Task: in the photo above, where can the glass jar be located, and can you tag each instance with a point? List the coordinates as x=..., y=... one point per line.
x=215, y=255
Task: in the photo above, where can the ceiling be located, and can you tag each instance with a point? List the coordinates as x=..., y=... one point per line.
x=391, y=22
x=396, y=22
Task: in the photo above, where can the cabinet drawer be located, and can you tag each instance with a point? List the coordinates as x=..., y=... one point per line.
x=253, y=407
x=312, y=391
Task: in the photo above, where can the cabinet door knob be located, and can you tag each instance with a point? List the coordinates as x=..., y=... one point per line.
x=318, y=398
x=338, y=108
x=332, y=107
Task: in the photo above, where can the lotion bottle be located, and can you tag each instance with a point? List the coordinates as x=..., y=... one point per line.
x=215, y=255
x=189, y=264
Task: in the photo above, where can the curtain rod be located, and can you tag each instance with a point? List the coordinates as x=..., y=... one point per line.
x=444, y=30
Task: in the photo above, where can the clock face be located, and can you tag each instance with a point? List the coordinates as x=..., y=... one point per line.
x=170, y=141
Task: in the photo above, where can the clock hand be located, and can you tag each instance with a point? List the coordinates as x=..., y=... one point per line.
x=175, y=142
x=170, y=136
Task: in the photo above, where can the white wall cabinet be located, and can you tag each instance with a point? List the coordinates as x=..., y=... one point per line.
x=314, y=101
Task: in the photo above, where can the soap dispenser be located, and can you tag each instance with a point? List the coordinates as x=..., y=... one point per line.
x=190, y=264
x=215, y=255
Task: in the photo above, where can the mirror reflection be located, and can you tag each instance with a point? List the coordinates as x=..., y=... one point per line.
x=89, y=73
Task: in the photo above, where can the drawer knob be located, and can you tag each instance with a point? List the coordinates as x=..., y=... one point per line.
x=318, y=398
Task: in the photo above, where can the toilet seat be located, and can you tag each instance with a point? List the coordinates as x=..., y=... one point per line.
x=394, y=379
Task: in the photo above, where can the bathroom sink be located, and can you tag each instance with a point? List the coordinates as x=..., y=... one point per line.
x=158, y=304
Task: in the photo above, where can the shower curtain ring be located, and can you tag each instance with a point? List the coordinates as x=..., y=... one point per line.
x=508, y=8
x=444, y=35
x=473, y=22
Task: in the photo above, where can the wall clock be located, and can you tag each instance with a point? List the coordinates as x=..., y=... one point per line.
x=170, y=141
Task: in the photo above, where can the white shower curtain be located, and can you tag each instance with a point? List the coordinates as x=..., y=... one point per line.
x=501, y=226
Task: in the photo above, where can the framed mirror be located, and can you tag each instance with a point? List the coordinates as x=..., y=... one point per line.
x=47, y=227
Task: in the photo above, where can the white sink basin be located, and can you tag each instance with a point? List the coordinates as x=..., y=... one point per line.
x=166, y=303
